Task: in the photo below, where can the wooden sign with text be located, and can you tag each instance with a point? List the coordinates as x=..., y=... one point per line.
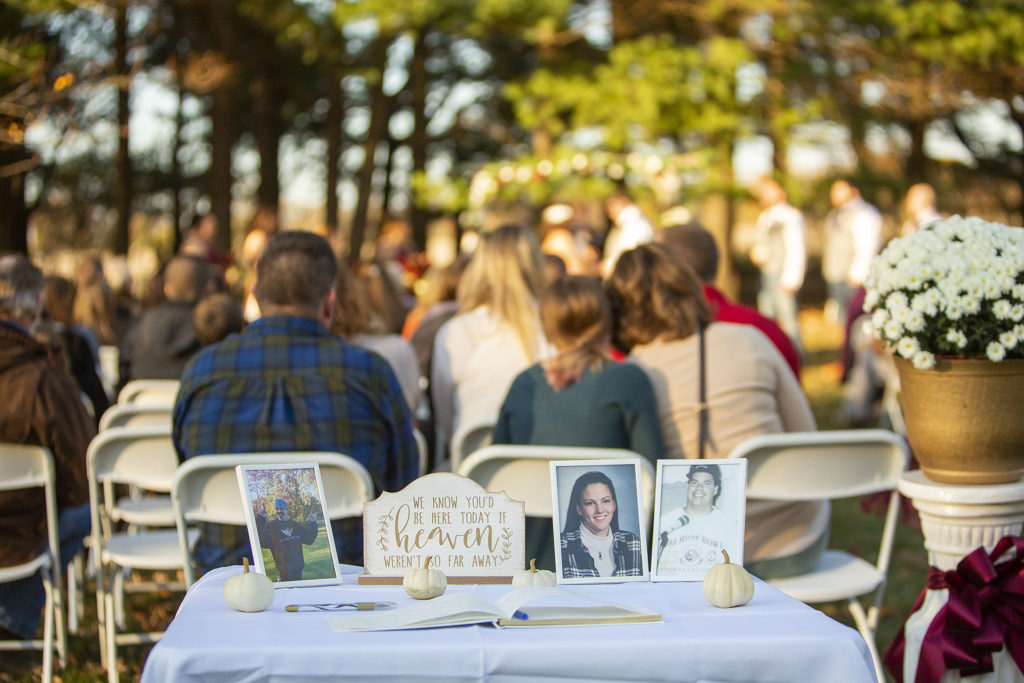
x=472, y=535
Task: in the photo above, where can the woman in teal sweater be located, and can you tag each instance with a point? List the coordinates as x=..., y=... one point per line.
x=580, y=397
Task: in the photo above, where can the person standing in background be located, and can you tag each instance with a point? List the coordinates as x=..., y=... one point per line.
x=630, y=228
x=781, y=254
x=919, y=208
x=853, y=235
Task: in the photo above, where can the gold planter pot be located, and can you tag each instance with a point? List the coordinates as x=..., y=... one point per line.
x=965, y=419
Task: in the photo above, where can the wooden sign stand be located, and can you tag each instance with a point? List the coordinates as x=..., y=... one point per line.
x=472, y=535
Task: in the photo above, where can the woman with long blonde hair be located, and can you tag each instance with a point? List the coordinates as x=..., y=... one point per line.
x=496, y=333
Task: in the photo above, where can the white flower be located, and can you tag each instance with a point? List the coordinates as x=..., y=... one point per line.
x=1002, y=309
x=915, y=322
x=957, y=337
x=970, y=304
x=923, y=360
x=1008, y=339
x=995, y=351
x=908, y=346
x=897, y=301
x=954, y=311
x=993, y=288
x=893, y=330
x=879, y=318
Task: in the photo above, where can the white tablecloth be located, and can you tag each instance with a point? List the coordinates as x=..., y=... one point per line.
x=773, y=638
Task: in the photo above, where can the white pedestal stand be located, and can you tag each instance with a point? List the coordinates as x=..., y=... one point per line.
x=956, y=519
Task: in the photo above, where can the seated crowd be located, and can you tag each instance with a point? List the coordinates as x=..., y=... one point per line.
x=336, y=359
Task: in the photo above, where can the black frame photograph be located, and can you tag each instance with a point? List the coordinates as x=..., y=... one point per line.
x=599, y=521
x=699, y=511
x=289, y=530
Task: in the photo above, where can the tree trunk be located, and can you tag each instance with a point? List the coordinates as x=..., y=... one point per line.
x=378, y=120
x=123, y=182
x=223, y=115
x=222, y=139
x=13, y=213
x=858, y=138
x=418, y=140
x=914, y=171
x=333, y=135
x=179, y=123
x=385, y=193
x=267, y=126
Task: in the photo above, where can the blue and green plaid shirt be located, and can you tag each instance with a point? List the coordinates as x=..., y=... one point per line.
x=287, y=384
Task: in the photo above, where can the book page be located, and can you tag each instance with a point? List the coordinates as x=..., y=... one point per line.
x=512, y=609
x=570, y=612
x=447, y=610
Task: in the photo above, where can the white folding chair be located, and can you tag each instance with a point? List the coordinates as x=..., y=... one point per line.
x=141, y=457
x=140, y=508
x=149, y=391
x=23, y=467
x=523, y=472
x=205, y=489
x=801, y=466
x=136, y=415
x=469, y=438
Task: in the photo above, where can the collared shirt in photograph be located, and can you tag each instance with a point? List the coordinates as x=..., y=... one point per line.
x=577, y=562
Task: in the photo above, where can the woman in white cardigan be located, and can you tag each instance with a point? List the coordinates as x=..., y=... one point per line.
x=496, y=334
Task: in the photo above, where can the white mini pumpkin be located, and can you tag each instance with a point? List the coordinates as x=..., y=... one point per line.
x=533, y=577
x=728, y=585
x=425, y=583
x=249, y=591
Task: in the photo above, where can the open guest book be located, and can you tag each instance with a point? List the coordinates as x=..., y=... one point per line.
x=520, y=607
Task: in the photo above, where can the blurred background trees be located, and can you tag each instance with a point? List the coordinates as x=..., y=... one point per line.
x=121, y=120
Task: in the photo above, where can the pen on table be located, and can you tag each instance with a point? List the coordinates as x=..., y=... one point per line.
x=332, y=606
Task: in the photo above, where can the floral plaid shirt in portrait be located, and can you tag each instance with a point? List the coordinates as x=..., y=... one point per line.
x=287, y=384
x=577, y=562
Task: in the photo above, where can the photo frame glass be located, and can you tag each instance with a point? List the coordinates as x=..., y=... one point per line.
x=289, y=530
x=699, y=511
x=599, y=521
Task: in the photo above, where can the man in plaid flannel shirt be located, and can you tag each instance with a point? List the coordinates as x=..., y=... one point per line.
x=287, y=384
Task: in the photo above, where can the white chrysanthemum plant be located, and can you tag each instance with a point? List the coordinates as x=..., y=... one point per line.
x=954, y=289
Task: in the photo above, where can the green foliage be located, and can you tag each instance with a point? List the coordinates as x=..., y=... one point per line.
x=649, y=88
x=447, y=195
x=982, y=35
x=296, y=486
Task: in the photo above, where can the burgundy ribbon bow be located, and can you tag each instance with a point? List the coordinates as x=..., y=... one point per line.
x=985, y=611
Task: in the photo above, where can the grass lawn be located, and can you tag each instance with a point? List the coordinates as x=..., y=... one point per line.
x=319, y=563
x=853, y=529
